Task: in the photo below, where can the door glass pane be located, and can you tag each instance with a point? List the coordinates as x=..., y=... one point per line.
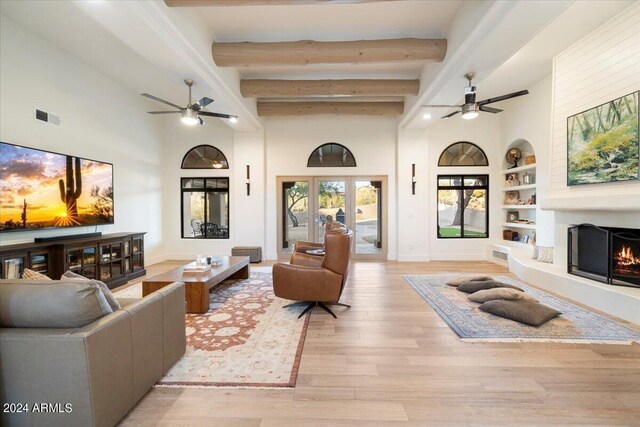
x=217, y=224
x=368, y=229
x=193, y=214
x=475, y=213
x=449, y=213
x=331, y=205
x=295, y=211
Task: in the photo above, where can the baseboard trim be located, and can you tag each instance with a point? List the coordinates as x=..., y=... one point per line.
x=413, y=258
x=459, y=257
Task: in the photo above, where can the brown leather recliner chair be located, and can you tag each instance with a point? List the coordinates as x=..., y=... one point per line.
x=321, y=284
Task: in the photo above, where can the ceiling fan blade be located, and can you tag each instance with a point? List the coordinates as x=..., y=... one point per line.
x=162, y=112
x=206, y=113
x=155, y=98
x=503, y=97
x=441, y=106
x=204, y=102
x=450, y=115
x=489, y=109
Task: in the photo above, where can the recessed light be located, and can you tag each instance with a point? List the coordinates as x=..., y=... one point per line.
x=233, y=119
x=426, y=116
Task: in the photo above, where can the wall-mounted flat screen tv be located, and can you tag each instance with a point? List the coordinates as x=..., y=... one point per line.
x=40, y=189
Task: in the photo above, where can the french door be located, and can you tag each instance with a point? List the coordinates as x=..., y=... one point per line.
x=307, y=204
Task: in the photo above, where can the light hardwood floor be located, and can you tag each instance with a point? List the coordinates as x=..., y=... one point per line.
x=391, y=360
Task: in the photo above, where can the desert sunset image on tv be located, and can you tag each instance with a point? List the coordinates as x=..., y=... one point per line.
x=40, y=189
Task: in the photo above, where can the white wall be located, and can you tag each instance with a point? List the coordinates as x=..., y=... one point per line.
x=101, y=120
x=414, y=215
x=483, y=131
x=529, y=117
x=248, y=216
x=602, y=66
x=178, y=140
x=290, y=141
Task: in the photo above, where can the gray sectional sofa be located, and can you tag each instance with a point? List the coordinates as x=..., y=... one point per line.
x=90, y=375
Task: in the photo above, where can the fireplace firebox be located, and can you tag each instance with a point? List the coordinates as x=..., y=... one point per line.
x=606, y=254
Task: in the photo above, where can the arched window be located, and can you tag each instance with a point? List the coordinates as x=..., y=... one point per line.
x=205, y=157
x=331, y=155
x=463, y=154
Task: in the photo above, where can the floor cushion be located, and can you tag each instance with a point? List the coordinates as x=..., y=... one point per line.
x=527, y=312
x=475, y=286
x=113, y=302
x=468, y=278
x=500, y=293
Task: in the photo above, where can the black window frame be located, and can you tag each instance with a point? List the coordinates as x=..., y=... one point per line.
x=460, y=143
x=205, y=190
x=346, y=152
x=462, y=187
x=218, y=156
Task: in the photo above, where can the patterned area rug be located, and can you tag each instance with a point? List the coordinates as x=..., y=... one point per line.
x=575, y=325
x=246, y=339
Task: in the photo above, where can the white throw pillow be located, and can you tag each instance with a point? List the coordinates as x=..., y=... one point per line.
x=545, y=254
x=113, y=302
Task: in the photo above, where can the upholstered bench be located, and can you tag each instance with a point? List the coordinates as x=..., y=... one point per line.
x=253, y=252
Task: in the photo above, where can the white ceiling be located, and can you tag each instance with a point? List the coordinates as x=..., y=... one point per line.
x=334, y=22
x=152, y=48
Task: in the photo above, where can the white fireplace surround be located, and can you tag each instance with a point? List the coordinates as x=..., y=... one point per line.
x=612, y=211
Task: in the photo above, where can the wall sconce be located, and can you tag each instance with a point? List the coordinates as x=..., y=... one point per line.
x=248, y=180
x=413, y=179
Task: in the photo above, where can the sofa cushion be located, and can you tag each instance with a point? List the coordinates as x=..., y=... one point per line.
x=113, y=302
x=528, y=312
x=468, y=278
x=500, y=293
x=56, y=304
x=29, y=274
x=475, y=286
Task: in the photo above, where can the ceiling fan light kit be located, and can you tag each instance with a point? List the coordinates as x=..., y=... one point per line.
x=471, y=109
x=190, y=115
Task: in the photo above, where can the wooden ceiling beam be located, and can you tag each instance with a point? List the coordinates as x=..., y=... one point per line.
x=262, y=88
x=218, y=3
x=273, y=109
x=305, y=52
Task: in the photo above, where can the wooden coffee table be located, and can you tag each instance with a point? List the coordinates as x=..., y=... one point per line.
x=198, y=285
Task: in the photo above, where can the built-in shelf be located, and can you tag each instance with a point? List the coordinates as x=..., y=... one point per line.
x=520, y=187
x=516, y=207
x=519, y=225
x=525, y=193
x=519, y=169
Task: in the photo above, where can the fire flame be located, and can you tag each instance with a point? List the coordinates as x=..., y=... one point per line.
x=626, y=257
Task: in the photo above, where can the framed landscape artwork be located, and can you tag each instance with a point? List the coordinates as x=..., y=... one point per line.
x=602, y=143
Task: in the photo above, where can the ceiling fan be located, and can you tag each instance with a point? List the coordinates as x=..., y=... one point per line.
x=470, y=109
x=190, y=115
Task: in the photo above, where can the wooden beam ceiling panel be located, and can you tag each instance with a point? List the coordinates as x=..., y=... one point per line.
x=262, y=88
x=304, y=52
x=222, y=3
x=273, y=109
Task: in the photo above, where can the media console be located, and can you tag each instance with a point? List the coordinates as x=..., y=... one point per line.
x=112, y=258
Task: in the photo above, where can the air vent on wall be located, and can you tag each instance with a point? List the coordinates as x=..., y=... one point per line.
x=47, y=117
x=502, y=256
